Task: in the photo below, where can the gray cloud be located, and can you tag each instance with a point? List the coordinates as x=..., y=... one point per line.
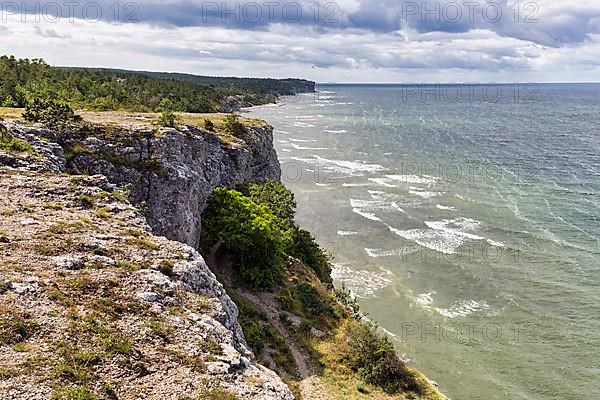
x=550, y=23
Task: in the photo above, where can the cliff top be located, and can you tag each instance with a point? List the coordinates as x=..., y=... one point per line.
x=93, y=306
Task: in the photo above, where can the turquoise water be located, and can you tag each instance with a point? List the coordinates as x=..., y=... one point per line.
x=467, y=225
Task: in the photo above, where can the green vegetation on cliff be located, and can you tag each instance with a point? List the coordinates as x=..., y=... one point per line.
x=256, y=225
x=106, y=89
x=293, y=320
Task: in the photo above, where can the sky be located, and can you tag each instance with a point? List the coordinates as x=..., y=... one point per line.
x=330, y=41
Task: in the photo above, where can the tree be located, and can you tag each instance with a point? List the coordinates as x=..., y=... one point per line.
x=51, y=113
x=167, y=117
x=250, y=232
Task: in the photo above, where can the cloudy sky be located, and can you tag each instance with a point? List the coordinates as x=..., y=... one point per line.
x=341, y=41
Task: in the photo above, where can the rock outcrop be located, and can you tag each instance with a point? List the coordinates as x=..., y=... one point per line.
x=171, y=172
x=93, y=300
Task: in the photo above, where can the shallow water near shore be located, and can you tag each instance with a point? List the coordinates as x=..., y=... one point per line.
x=468, y=226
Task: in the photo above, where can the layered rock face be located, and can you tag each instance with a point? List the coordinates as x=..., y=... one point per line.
x=91, y=301
x=171, y=172
x=184, y=167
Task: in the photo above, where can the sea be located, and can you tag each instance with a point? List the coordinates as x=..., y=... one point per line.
x=466, y=221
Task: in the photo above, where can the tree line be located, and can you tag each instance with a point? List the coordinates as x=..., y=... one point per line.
x=22, y=80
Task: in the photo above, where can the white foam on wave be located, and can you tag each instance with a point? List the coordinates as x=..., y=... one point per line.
x=355, y=168
x=463, y=308
x=444, y=236
x=375, y=205
x=356, y=184
x=391, y=334
x=304, y=159
x=423, y=193
x=432, y=239
x=335, y=131
x=298, y=147
x=425, y=299
x=441, y=207
x=286, y=150
x=494, y=243
x=376, y=253
x=302, y=140
x=383, y=182
x=457, y=226
x=347, y=233
x=367, y=215
x=299, y=124
x=415, y=179
x=361, y=283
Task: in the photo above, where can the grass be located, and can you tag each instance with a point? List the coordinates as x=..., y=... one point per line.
x=127, y=266
x=63, y=228
x=11, y=113
x=16, y=328
x=17, y=146
x=87, y=201
x=103, y=213
x=143, y=244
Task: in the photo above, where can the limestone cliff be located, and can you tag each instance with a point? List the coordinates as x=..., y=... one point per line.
x=92, y=303
x=172, y=172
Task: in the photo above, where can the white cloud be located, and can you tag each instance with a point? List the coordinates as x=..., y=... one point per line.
x=346, y=53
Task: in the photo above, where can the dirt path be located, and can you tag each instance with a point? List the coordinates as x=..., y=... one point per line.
x=310, y=385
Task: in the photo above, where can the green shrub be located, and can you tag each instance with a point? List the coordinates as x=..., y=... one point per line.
x=233, y=124
x=315, y=303
x=305, y=247
x=373, y=357
x=251, y=233
x=208, y=125
x=167, y=117
x=50, y=113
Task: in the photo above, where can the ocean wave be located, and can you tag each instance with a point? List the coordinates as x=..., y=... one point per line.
x=299, y=124
x=426, y=179
x=376, y=253
x=444, y=236
x=457, y=226
x=367, y=215
x=334, y=131
x=441, y=207
x=356, y=184
x=383, y=182
x=355, y=168
x=424, y=299
x=463, y=308
x=423, y=193
x=298, y=147
x=432, y=239
x=302, y=140
x=347, y=233
x=361, y=283
x=375, y=205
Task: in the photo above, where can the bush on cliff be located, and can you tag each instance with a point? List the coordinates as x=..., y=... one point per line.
x=301, y=245
x=233, y=124
x=250, y=232
x=50, y=113
x=372, y=355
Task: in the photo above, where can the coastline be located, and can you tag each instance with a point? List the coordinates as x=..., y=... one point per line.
x=336, y=273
